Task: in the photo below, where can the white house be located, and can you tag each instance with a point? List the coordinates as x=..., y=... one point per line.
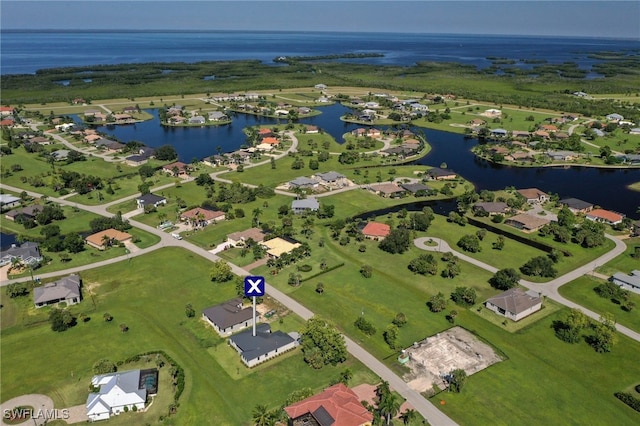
x=515, y=304
x=629, y=282
x=115, y=392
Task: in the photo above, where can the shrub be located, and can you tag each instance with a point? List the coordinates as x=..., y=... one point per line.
x=365, y=326
x=629, y=399
x=305, y=268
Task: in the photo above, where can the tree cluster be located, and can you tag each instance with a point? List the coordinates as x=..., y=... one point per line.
x=322, y=344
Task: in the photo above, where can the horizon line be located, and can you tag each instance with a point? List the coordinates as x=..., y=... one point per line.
x=150, y=30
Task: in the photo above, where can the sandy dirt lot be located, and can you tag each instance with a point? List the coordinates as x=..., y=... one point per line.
x=436, y=356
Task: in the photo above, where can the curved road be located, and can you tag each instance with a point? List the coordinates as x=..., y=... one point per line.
x=548, y=289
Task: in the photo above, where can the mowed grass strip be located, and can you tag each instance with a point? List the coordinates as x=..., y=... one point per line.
x=582, y=291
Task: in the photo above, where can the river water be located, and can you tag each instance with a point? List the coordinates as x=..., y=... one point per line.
x=604, y=187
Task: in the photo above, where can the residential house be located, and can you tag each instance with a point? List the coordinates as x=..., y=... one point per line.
x=527, y=222
x=605, y=216
x=229, y=317
x=629, y=282
x=476, y=122
x=492, y=112
x=491, y=208
x=102, y=239
x=499, y=133
x=320, y=86
x=332, y=179
x=417, y=189
x=576, y=205
x=303, y=182
x=520, y=134
x=311, y=129
x=265, y=147
x=65, y=290
x=177, y=168
x=276, y=247
x=336, y=405
x=562, y=155
x=270, y=140
x=116, y=391
x=265, y=133
x=215, y=160
x=60, y=154
x=150, y=200
x=201, y=217
x=266, y=344
x=218, y=116
x=28, y=253
x=305, y=205
x=376, y=230
x=8, y=201
x=5, y=110
x=437, y=173
x=197, y=119
x=515, y=303
x=519, y=156
x=240, y=238
x=614, y=117
x=25, y=213
x=534, y=195
x=387, y=190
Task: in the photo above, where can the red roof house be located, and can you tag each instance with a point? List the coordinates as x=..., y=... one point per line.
x=376, y=230
x=337, y=405
x=606, y=216
x=270, y=140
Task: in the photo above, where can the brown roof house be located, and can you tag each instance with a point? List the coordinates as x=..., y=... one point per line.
x=387, y=190
x=65, y=290
x=335, y=406
x=526, y=222
x=534, y=195
x=240, y=238
x=491, y=208
x=228, y=317
x=200, y=217
x=515, y=304
x=103, y=239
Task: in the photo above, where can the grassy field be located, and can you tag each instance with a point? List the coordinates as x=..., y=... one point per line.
x=126, y=291
x=535, y=359
x=624, y=262
x=582, y=292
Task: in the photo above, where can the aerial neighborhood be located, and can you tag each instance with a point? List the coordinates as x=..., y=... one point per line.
x=329, y=252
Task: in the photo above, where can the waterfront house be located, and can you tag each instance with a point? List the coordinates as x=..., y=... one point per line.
x=28, y=253
x=605, y=216
x=491, y=208
x=527, y=222
x=437, y=173
x=387, y=190
x=533, y=195
x=576, y=205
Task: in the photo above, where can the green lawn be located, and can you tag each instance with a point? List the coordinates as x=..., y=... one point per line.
x=624, y=262
x=536, y=360
x=130, y=292
x=582, y=292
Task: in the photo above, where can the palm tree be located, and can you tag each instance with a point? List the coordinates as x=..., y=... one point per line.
x=389, y=406
x=256, y=215
x=260, y=415
x=409, y=415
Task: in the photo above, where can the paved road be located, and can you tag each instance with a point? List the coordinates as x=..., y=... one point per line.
x=550, y=288
x=423, y=406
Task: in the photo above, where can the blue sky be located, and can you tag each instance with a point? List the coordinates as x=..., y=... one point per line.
x=616, y=19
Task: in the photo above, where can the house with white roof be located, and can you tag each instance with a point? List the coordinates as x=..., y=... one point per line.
x=629, y=282
x=115, y=391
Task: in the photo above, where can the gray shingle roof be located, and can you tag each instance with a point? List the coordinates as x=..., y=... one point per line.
x=228, y=314
x=515, y=300
x=66, y=288
x=262, y=343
